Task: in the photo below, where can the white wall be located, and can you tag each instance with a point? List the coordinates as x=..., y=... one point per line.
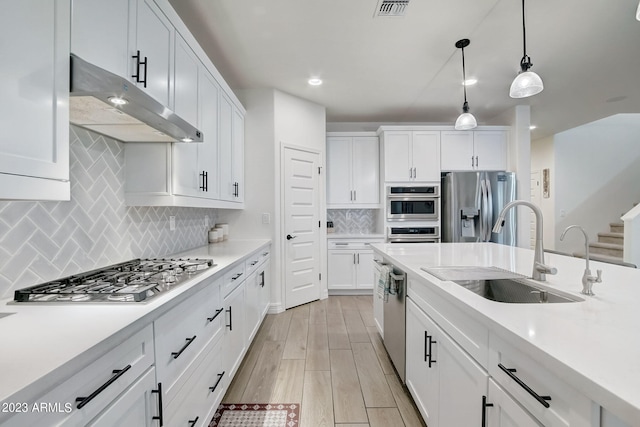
x=543, y=157
x=597, y=176
x=275, y=118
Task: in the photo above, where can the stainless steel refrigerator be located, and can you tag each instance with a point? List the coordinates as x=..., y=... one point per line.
x=471, y=202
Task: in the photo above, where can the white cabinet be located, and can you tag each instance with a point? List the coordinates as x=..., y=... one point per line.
x=379, y=298
x=350, y=266
x=353, y=173
x=411, y=156
x=231, y=140
x=441, y=377
x=151, y=69
x=474, y=150
x=34, y=114
x=502, y=411
x=257, y=291
x=234, y=336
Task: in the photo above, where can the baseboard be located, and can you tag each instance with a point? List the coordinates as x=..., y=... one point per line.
x=351, y=292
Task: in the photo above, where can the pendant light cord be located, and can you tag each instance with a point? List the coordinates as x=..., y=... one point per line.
x=524, y=32
x=464, y=78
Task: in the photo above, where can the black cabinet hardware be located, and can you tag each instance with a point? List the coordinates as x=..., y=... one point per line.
x=485, y=405
x=220, y=376
x=218, y=311
x=82, y=401
x=511, y=372
x=236, y=276
x=431, y=342
x=262, y=279
x=205, y=181
x=230, y=325
x=426, y=343
x=193, y=422
x=184, y=347
x=254, y=263
x=160, y=417
x=236, y=189
x=138, y=64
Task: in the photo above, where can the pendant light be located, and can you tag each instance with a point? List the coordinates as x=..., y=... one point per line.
x=527, y=83
x=465, y=120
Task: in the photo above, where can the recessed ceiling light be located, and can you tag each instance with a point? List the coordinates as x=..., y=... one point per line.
x=315, y=81
x=470, y=82
x=115, y=100
x=532, y=127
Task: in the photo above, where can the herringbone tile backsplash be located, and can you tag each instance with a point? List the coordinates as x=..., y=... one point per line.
x=41, y=241
x=353, y=221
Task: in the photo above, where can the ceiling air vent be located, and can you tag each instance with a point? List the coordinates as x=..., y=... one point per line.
x=392, y=7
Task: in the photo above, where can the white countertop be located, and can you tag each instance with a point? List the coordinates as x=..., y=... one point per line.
x=355, y=236
x=43, y=344
x=593, y=345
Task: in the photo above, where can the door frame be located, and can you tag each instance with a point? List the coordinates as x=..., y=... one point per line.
x=279, y=238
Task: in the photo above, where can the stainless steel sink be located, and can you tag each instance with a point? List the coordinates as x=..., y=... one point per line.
x=516, y=291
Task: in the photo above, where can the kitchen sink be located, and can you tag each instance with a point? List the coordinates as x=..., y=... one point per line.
x=516, y=291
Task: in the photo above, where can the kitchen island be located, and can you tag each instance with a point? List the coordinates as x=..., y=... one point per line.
x=55, y=353
x=590, y=348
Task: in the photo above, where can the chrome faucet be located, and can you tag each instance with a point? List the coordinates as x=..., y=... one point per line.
x=540, y=269
x=587, y=279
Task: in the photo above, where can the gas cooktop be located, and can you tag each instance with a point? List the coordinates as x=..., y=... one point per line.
x=137, y=280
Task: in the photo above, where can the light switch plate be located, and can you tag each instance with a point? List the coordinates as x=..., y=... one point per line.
x=266, y=218
x=172, y=223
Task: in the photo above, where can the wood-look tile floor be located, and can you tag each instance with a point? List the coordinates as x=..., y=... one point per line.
x=328, y=357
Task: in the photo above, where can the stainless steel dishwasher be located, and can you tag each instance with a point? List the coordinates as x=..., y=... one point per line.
x=394, y=319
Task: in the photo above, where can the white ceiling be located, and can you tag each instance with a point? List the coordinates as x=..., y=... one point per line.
x=408, y=69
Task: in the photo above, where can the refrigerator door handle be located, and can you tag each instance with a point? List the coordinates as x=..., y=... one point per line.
x=482, y=220
x=489, y=211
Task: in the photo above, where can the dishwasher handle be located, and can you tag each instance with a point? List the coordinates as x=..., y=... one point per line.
x=397, y=283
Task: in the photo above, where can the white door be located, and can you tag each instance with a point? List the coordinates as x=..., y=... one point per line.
x=366, y=166
x=456, y=151
x=397, y=153
x=339, y=189
x=426, y=156
x=490, y=149
x=301, y=226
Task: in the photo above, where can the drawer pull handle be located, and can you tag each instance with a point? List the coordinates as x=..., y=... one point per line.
x=160, y=417
x=262, y=279
x=511, y=372
x=230, y=325
x=485, y=405
x=118, y=373
x=265, y=253
x=220, y=376
x=193, y=422
x=426, y=344
x=431, y=341
x=184, y=347
x=254, y=263
x=236, y=276
x=218, y=311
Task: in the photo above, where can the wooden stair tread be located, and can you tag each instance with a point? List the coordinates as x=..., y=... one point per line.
x=602, y=258
x=606, y=245
x=610, y=234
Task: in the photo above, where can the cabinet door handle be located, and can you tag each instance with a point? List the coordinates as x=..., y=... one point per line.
x=415, y=173
x=358, y=258
x=355, y=195
x=431, y=341
x=511, y=372
x=426, y=341
x=138, y=64
x=218, y=311
x=485, y=405
x=230, y=325
x=477, y=161
x=177, y=354
x=160, y=416
x=220, y=376
x=118, y=373
x=193, y=422
x=262, y=279
x=354, y=258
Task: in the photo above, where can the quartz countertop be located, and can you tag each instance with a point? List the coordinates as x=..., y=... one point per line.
x=355, y=236
x=42, y=344
x=592, y=345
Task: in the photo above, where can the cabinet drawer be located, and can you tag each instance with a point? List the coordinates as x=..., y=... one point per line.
x=251, y=263
x=182, y=333
x=98, y=384
x=232, y=279
x=472, y=336
x=567, y=406
x=202, y=392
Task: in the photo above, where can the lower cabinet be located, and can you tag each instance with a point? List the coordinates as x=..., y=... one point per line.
x=378, y=297
x=350, y=266
x=234, y=335
x=501, y=410
x=442, y=378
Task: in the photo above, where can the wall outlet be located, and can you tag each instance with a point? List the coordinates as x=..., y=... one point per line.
x=266, y=218
x=172, y=223
x=206, y=221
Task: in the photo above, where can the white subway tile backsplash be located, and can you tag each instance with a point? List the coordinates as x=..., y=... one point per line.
x=41, y=241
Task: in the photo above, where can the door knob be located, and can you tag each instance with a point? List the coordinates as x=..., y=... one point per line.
x=289, y=237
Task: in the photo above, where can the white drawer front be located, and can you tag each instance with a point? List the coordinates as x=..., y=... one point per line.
x=566, y=407
x=232, y=279
x=181, y=334
x=251, y=263
x=99, y=384
x=202, y=392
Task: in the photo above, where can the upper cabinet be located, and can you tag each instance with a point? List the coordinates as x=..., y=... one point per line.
x=474, y=150
x=353, y=177
x=411, y=156
x=34, y=115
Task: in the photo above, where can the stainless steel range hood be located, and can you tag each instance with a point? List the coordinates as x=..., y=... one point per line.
x=140, y=119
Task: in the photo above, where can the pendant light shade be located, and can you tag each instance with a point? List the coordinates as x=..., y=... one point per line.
x=466, y=120
x=527, y=83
